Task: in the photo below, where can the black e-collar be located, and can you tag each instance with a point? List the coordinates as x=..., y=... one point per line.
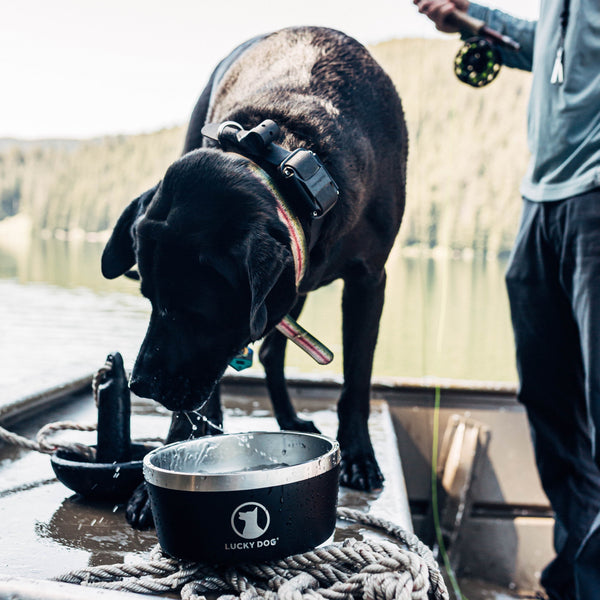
x=300, y=169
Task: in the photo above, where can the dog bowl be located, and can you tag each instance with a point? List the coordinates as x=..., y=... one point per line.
x=244, y=497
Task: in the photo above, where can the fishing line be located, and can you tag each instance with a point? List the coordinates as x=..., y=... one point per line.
x=436, y=408
x=423, y=225
x=435, y=442
x=435, y=437
x=434, y=498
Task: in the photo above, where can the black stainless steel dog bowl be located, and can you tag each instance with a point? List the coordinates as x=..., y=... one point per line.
x=244, y=497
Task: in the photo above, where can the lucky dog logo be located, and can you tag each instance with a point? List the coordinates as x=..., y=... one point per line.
x=249, y=521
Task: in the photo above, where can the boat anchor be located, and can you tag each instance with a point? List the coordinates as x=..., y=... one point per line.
x=112, y=469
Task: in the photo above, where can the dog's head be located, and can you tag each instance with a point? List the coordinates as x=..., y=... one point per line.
x=215, y=262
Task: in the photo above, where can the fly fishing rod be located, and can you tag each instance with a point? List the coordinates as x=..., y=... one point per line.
x=478, y=61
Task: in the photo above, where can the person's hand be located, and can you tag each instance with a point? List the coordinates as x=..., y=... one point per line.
x=438, y=10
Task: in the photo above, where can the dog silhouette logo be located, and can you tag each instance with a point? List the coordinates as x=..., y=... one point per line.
x=250, y=520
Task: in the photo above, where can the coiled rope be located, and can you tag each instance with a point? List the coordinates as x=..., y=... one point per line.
x=353, y=569
x=373, y=569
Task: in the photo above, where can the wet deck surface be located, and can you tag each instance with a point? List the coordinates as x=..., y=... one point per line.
x=47, y=530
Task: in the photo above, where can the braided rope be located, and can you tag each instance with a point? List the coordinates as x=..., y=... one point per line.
x=18, y=440
x=99, y=376
x=41, y=443
x=367, y=570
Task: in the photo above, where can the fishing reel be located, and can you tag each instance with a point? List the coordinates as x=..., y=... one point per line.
x=478, y=62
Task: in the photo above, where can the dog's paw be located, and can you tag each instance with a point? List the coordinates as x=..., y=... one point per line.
x=298, y=424
x=138, y=512
x=361, y=473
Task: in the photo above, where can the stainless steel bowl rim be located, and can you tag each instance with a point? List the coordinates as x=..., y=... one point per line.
x=246, y=480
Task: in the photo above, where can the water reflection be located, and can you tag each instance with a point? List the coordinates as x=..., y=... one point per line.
x=96, y=528
x=65, y=264
x=442, y=317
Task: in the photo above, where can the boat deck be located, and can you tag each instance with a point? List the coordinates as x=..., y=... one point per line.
x=47, y=530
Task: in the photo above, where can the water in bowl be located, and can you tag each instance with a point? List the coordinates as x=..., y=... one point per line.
x=213, y=458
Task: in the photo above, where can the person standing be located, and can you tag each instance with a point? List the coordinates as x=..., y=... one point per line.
x=553, y=277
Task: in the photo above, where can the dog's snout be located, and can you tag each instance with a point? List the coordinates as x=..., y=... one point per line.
x=141, y=387
x=155, y=389
x=174, y=393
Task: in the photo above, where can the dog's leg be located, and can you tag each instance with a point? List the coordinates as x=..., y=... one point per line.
x=272, y=357
x=362, y=304
x=184, y=426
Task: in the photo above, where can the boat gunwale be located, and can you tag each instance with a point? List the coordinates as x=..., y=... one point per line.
x=22, y=407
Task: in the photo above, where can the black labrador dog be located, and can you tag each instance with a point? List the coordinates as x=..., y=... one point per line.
x=226, y=247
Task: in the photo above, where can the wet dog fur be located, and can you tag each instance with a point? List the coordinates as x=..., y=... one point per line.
x=215, y=261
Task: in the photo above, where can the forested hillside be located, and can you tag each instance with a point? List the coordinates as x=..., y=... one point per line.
x=83, y=185
x=467, y=155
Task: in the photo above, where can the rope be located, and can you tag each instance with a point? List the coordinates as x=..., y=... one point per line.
x=99, y=376
x=367, y=570
x=353, y=569
x=41, y=443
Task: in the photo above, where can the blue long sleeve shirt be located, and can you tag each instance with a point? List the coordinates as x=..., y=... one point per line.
x=563, y=124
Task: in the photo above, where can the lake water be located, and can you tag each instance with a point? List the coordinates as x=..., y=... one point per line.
x=59, y=319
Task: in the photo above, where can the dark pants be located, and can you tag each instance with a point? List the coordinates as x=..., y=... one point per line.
x=553, y=283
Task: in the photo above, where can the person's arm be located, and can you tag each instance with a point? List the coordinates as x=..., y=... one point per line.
x=521, y=30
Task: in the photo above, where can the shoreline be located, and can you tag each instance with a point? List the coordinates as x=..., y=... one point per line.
x=17, y=232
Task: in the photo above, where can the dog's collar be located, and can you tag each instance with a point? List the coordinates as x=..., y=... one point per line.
x=304, y=340
x=292, y=224
x=299, y=173
x=306, y=177
x=288, y=326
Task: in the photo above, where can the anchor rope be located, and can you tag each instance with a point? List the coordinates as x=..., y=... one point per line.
x=42, y=443
x=373, y=569
x=99, y=376
x=353, y=569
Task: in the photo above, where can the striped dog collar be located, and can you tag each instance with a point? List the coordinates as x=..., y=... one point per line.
x=288, y=218
x=288, y=326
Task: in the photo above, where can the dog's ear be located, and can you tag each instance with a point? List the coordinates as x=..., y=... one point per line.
x=119, y=255
x=265, y=262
